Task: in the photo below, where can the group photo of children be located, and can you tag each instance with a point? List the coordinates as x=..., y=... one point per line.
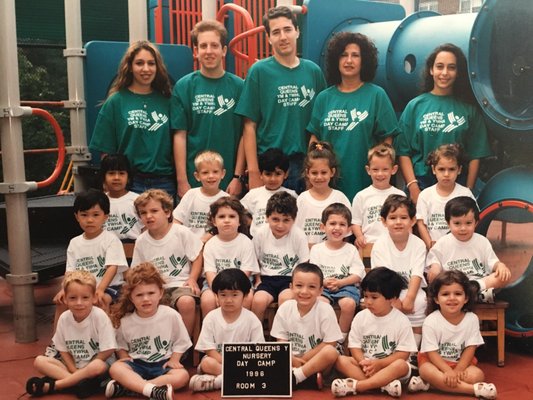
x=291, y=193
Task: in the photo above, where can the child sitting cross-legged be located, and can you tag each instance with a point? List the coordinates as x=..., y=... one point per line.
x=311, y=327
x=380, y=340
x=450, y=336
x=230, y=323
x=85, y=339
x=151, y=339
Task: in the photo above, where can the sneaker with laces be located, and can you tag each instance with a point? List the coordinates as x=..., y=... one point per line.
x=202, y=383
x=115, y=389
x=485, y=390
x=52, y=352
x=416, y=384
x=163, y=392
x=393, y=388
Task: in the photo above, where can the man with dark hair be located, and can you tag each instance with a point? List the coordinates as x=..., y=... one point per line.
x=278, y=97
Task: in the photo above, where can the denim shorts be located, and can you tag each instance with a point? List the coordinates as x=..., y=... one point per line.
x=114, y=292
x=350, y=291
x=148, y=370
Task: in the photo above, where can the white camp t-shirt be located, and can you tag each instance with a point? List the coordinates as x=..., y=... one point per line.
x=171, y=255
x=448, y=339
x=216, y=331
x=305, y=333
x=278, y=257
x=123, y=220
x=366, y=210
x=237, y=253
x=408, y=262
x=154, y=338
x=430, y=208
x=193, y=209
x=85, y=339
x=475, y=258
x=379, y=337
x=310, y=213
x=94, y=255
x=255, y=201
x=338, y=263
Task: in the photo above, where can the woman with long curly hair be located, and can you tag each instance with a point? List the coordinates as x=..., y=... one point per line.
x=444, y=113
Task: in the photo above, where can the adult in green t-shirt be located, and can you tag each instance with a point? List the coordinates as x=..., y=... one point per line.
x=445, y=113
x=135, y=119
x=277, y=99
x=202, y=116
x=353, y=114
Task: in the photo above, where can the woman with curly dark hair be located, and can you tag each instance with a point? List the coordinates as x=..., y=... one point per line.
x=353, y=114
x=444, y=113
x=134, y=119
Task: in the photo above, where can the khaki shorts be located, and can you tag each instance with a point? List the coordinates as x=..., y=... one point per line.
x=175, y=293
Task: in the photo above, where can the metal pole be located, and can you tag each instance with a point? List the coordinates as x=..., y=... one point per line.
x=21, y=277
x=209, y=9
x=138, y=20
x=74, y=53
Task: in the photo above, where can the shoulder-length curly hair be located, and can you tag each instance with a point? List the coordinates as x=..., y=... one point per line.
x=461, y=87
x=337, y=45
x=124, y=78
x=144, y=273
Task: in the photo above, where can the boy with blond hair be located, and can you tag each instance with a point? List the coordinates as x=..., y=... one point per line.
x=85, y=339
x=193, y=209
x=366, y=204
x=173, y=249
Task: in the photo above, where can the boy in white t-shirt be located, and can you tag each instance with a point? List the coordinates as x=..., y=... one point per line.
x=311, y=327
x=230, y=323
x=123, y=220
x=279, y=247
x=366, y=205
x=96, y=250
x=467, y=251
x=173, y=249
x=274, y=169
x=380, y=340
x=193, y=208
x=85, y=339
x=340, y=263
x=405, y=253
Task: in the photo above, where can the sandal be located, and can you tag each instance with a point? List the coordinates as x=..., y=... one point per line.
x=35, y=386
x=393, y=388
x=343, y=387
x=485, y=390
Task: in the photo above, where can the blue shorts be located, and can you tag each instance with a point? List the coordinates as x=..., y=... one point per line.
x=114, y=292
x=350, y=291
x=148, y=370
x=274, y=285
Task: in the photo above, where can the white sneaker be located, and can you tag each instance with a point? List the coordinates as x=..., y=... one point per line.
x=486, y=296
x=393, y=388
x=342, y=387
x=485, y=390
x=416, y=384
x=202, y=383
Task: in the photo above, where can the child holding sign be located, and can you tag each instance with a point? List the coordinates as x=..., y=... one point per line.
x=230, y=323
x=311, y=327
